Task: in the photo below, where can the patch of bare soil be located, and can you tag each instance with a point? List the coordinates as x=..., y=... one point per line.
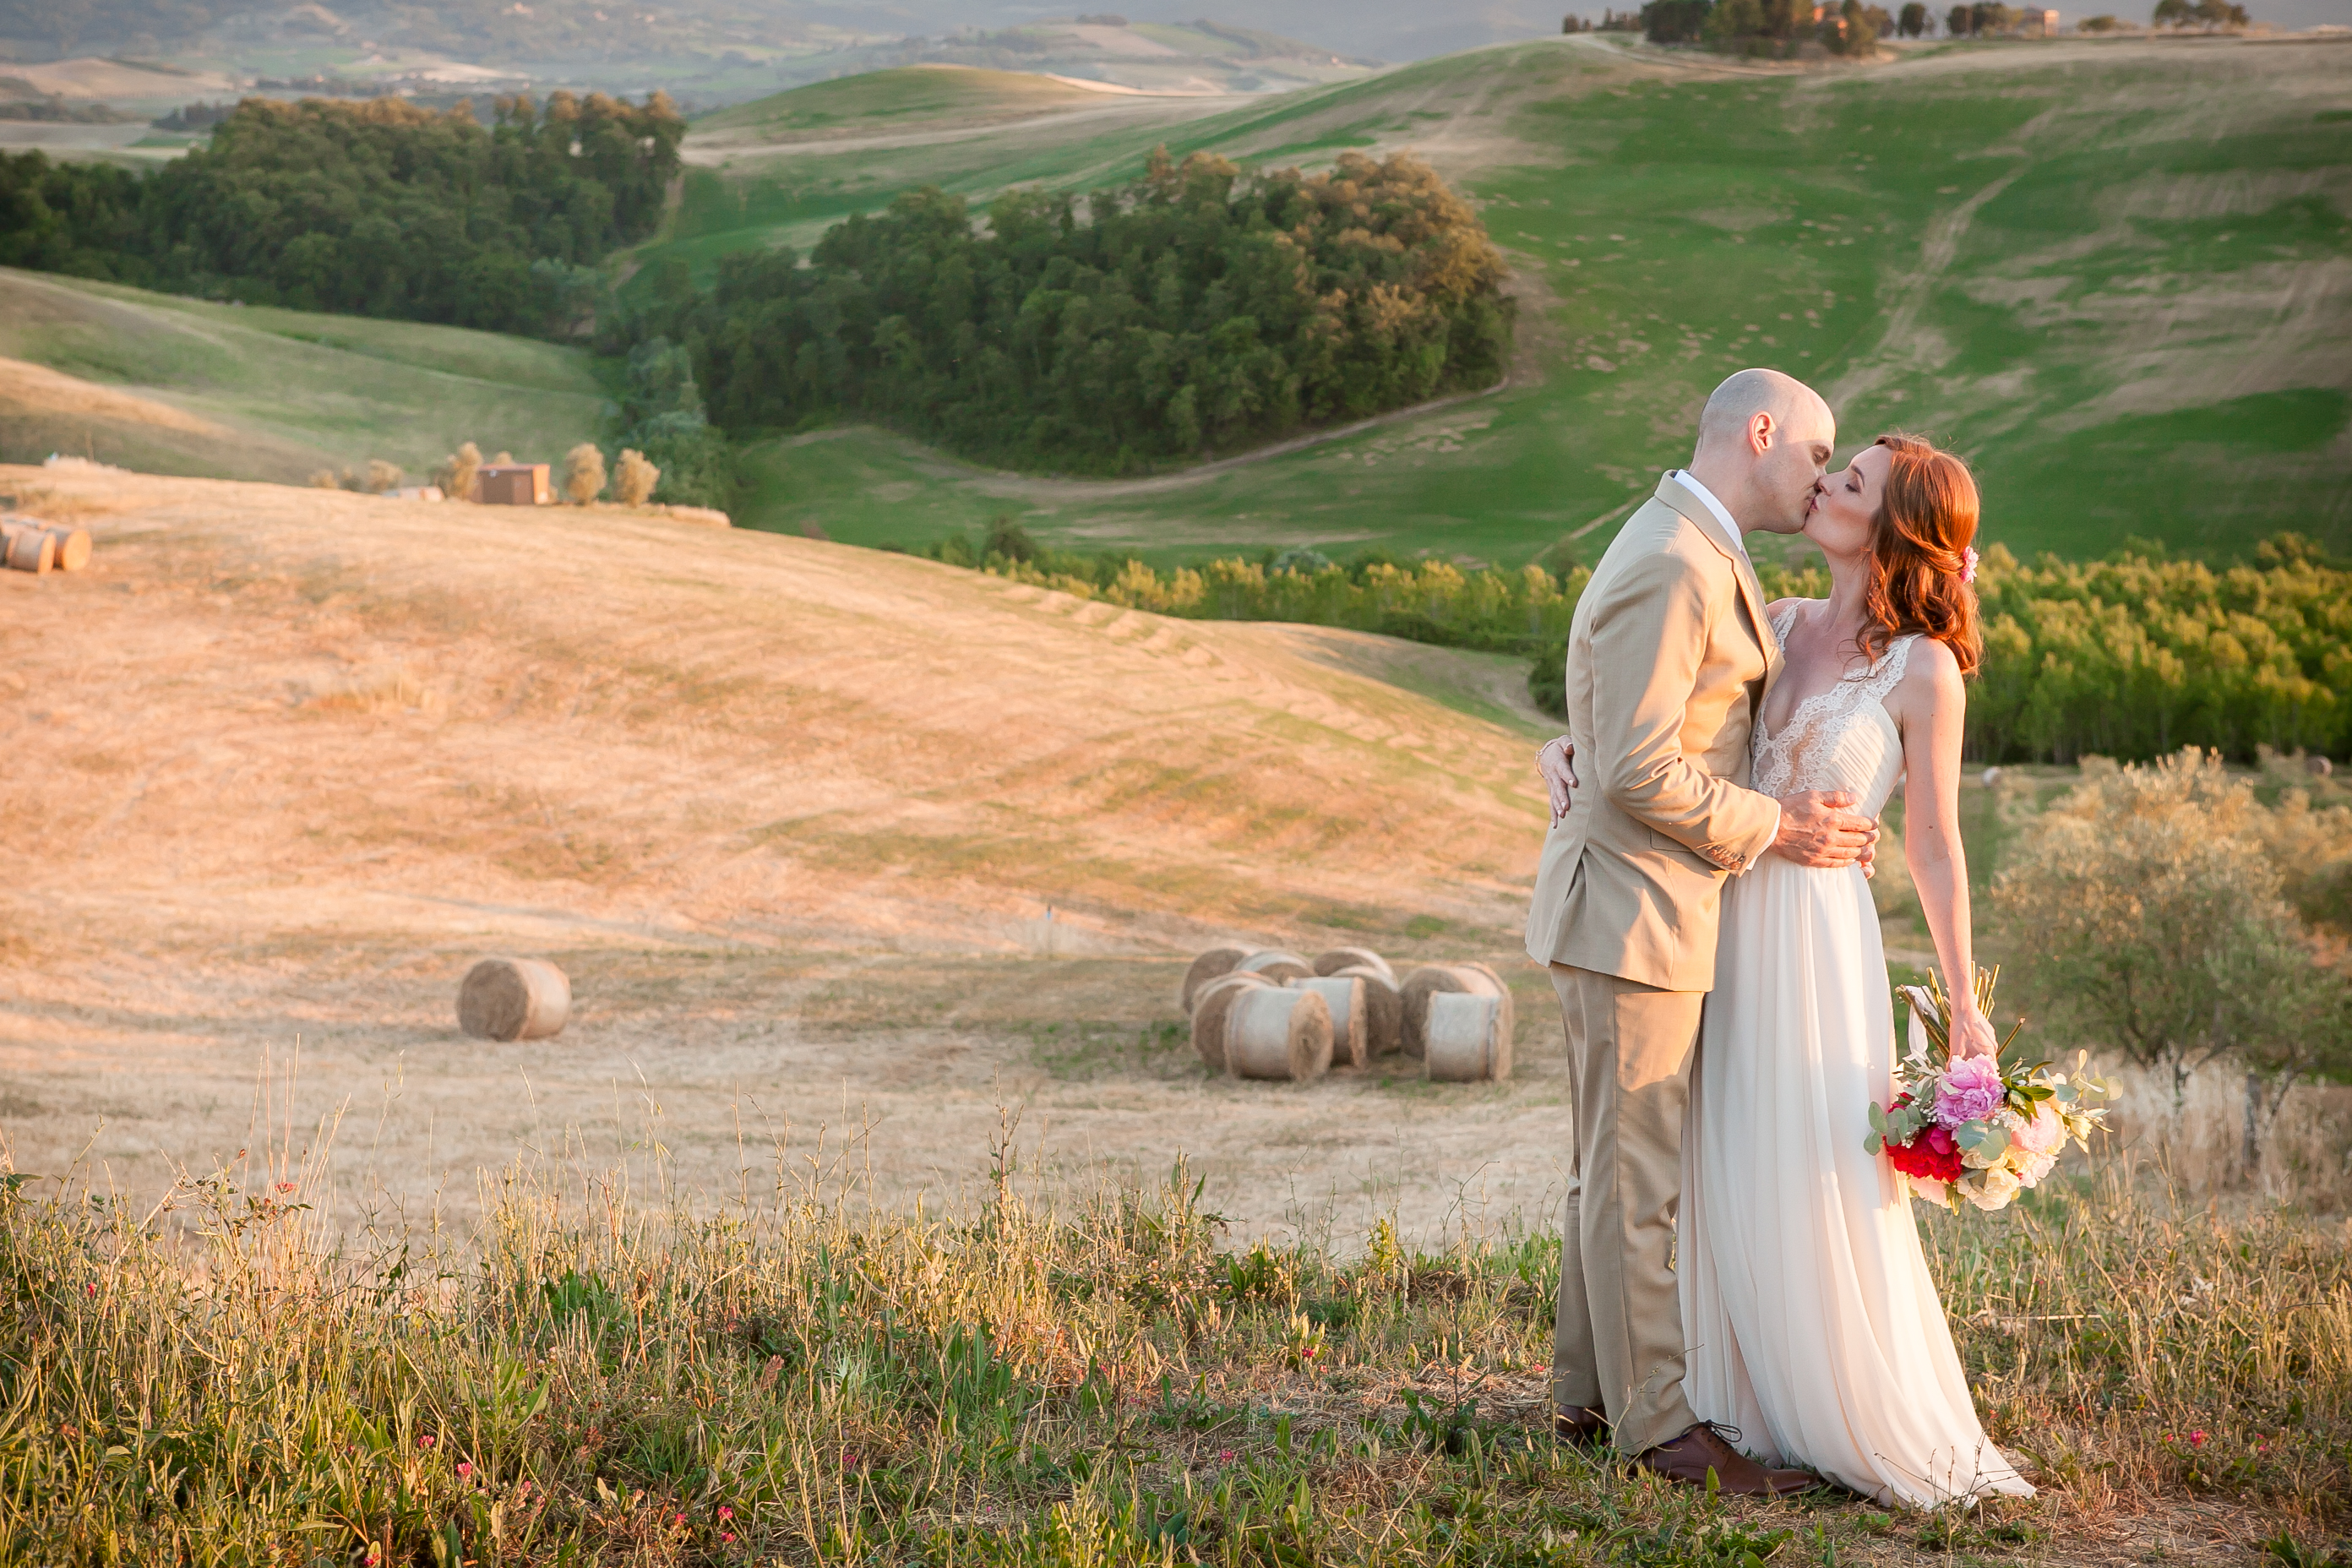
x=792, y=815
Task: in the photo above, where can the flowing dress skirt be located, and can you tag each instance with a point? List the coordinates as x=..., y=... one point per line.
x=1814, y=1326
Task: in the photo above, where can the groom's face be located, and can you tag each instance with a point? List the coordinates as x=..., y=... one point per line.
x=1794, y=457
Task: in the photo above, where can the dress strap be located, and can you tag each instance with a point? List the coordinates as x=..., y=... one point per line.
x=1784, y=620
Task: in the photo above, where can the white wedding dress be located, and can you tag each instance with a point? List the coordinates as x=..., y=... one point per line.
x=1814, y=1327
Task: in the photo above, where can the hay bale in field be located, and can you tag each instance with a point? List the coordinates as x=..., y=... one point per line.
x=27, y=549
x=73, y=547
x=70, y=551
x=1207, y=967
x=1334, y=960
x=1383, y=1011
x=1344, y=996
x=1209, y=1009
x=513, y=999
x=1277, y=966
x=1464, y=1039
x=1278, y=1034
x=1433, y=978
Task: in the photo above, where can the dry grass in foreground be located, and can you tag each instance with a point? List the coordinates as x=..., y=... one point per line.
x=803, y=1379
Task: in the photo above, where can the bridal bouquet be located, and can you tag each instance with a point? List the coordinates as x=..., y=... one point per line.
x=1983, y=1127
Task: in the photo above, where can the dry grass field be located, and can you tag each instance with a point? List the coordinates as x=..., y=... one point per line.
x=790, y=814
x=839, y=1226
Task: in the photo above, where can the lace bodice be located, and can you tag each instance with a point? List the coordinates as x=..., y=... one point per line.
x=1842, y=738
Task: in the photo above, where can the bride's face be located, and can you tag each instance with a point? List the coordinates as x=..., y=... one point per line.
x=1838, y=517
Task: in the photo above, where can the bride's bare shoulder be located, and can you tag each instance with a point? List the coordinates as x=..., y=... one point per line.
x=1931, y=677
x=1772, y=610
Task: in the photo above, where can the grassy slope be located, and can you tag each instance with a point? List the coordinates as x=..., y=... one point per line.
x=299, y=390
x=888, y=99
x=2104, y=272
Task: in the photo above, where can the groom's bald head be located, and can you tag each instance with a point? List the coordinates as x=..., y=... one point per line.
x=1764, y=438
x=1734, y=406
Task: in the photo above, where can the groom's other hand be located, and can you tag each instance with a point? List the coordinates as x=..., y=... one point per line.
x=1557, y=764
x=1821, y=827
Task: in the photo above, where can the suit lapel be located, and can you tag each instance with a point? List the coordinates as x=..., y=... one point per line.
x=1751, y=591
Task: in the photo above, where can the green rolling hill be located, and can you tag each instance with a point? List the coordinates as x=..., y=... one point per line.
x=2113, y=274
x=2110, y=273
x=172, y=385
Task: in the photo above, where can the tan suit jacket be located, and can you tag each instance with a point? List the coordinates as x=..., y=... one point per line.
x=1668, y=659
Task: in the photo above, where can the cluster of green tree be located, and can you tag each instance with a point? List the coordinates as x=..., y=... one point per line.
x=378, y=208
x=2211, y=15
x=1195, y=310
x=2175, y=915
x=1427, y=601
x=1765, y=27
x=2136, y=656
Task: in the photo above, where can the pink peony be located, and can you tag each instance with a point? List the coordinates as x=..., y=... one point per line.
x=1971, y=1091
x=2045, y=1134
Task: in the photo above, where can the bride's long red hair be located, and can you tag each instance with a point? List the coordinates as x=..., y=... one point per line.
x=1920, y=555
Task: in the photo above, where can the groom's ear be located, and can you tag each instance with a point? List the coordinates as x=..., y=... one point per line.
x=1761, y=429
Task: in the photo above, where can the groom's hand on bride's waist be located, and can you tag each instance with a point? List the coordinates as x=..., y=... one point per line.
x=1821, y=827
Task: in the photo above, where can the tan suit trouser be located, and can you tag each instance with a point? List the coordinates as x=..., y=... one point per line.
x=1618, y=1343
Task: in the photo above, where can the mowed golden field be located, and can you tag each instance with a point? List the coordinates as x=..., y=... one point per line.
x=285, y=761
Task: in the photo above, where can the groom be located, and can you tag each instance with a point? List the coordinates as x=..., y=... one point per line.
x=1668, y=659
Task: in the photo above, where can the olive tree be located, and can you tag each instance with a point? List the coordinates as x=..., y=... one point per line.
x=2147, y=910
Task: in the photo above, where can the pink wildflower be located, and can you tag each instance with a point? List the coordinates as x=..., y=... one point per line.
x=425, y=1441
x=726, y=1538
x=1225, y=1455
x=465, y=1468
x=1971, y=1091
x=2197, y=1439
x=726, y=1512
x=285, y=1186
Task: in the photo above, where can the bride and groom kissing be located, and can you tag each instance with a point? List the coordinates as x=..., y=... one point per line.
x=1742, y=1289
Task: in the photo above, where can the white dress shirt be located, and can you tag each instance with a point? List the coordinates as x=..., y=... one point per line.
x=1722, y=517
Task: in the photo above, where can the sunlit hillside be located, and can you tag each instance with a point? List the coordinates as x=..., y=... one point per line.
x=176, y=386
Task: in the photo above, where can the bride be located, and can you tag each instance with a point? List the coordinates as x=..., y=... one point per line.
x=1814, y=1326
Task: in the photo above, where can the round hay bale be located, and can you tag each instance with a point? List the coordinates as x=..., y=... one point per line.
x=1278, y=1034
x=1340, y=958
x=1433, y=978
x=1209, y=1009
x=31, y=550
x=1351, y=1033
x=1277, y=966
x=1207, y=967
x=1383, y=1011
x=1463, y=1040
x=73, y=547
x=513, y=999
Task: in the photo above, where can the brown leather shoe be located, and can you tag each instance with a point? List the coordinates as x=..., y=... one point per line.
x=1708, y=1446
x=1581, y=1424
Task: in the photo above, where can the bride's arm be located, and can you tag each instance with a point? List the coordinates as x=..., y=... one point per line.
x=1932, y=710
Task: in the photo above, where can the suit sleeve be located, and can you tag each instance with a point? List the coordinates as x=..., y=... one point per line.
x=1649, y=633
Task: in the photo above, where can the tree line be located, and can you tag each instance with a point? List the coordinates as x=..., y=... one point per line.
x=2132, y=658
x=1192, y=311
x=376, y=208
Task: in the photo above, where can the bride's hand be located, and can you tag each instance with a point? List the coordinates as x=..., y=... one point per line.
x=1971, y=1036
x=1557, y=764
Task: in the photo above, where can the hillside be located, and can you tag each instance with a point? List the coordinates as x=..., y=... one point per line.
x=169, y=384
x=790, y=813
x=2110, y=272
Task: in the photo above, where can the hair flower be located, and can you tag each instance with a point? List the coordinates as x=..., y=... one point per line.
x=1969, y=564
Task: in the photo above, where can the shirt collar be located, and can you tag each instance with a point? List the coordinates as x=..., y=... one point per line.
x=1730, y=530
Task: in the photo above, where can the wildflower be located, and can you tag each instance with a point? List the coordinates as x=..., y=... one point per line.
x=424, y=1440
x=726, y=1537
x=465, y=1468
x=2197, y=1439
x=285, y=1186
x=726, y=1512
x=1225, y=1455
